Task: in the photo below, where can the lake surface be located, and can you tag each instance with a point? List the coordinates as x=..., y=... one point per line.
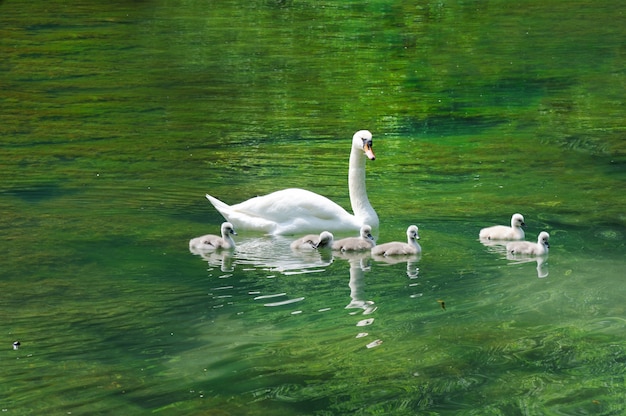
x=117, y=118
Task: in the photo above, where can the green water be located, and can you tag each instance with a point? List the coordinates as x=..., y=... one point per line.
x=117, y=117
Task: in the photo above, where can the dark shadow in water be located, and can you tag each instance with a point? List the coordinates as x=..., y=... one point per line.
x=449, y=125
x=38, y=192
x=450, y=120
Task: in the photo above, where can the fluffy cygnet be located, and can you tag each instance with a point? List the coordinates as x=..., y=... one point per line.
x=526, y=247
x=397, y=248
x=502, y=232
x=214, y=242
x=313, y=241
x=364, y=242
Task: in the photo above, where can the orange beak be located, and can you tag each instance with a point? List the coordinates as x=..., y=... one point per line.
x=368, y=151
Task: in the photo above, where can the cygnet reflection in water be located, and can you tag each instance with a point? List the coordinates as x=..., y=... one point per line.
x=542, y=262
x=222, y=259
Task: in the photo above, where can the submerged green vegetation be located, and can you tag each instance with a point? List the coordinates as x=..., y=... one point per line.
x=117, y=118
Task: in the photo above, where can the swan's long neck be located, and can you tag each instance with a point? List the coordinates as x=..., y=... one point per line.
x=361, y=206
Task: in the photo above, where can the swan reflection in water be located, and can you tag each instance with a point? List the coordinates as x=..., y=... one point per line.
x=494, y=246
x=274, y=253
x=359, y=264
x=268, y=253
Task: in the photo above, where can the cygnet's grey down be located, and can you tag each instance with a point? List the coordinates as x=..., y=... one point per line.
x=397, y=248
x=313, y=241
x=364, y=242
x=214, y=242
x=503, y=232
x=526, y=247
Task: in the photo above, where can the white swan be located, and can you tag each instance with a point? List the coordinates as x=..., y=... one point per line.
x=364, y=241
x=397, y=248
x=313, y=241
x=502, y=232
x=526, y=247
x=214, y=242
x=294, y=210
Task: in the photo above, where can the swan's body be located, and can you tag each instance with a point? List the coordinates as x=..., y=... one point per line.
x=502, y=232
x=313, y=241
x=397, y=248
x=214, y=242
x=292, y=211
x=526, y=247
x=364, y=241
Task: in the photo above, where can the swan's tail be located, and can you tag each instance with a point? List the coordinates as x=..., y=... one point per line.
x=222, y=207
x=242, y=219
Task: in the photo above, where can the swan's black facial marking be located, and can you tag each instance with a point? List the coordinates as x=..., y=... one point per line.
x=366, y=144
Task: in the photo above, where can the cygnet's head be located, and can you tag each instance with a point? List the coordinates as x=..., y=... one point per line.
x=543, y=238
x=227, y=228
x=366, y=232
x=326, y=240
x=517, y=220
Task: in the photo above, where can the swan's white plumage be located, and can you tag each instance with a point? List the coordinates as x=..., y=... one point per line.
x=294, y=210
x=364, y=241
x=502, y=232
x=539, y=248
x=314, y=241
x=214, y=242
x=397, y=248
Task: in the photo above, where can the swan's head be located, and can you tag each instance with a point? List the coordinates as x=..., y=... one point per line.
x=517, y=220
x=366, y=232
x=543, y=239
x=362, y=139
x=326, y=240
x=411, y=232
x=227, y=228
